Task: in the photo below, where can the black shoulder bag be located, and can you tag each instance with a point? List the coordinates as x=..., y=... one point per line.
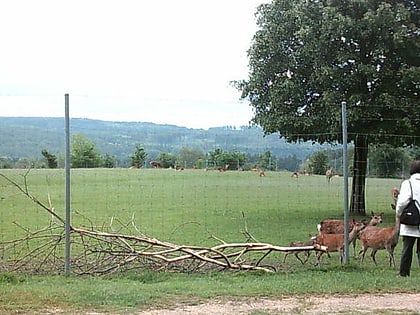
x=410, y=215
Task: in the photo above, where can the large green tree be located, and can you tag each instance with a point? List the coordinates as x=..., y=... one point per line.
x=309, y=56
x=84, y=153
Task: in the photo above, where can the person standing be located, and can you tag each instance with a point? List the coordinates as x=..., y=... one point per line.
x=409, y=233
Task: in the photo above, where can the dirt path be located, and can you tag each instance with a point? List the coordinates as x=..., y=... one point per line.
x=402, y=303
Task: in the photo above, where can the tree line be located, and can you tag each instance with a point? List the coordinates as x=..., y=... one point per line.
x=384, y=160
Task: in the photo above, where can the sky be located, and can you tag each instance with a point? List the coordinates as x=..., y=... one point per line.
x=160, y=61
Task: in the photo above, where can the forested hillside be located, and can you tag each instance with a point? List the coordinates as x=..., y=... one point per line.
x=23, y=137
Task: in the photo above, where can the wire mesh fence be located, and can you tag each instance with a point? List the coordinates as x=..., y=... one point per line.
x=191, y=206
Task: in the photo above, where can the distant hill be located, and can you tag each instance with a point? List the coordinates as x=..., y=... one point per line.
x=27, y=136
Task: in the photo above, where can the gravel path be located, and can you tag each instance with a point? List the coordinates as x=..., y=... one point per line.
x=402, y=303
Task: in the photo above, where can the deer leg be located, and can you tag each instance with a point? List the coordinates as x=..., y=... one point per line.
x=391, y=259
x=297, y=256
x=363, y=252
x=353, y=242
x=307, y=254
x=391, y=256
x=373, y=256
x=318, y=258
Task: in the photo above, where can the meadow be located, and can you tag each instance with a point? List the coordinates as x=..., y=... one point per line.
x=185, y=208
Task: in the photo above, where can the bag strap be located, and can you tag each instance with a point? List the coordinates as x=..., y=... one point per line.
x=412, y=197
x=411, y=188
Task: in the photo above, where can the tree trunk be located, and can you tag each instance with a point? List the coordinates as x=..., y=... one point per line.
x=357, y=204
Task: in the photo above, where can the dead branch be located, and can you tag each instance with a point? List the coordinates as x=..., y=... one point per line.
x=97, y=252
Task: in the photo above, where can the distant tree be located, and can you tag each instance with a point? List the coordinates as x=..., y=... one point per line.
x=266, y=160
x=387, y=161
x=51, y=159
x=139, y=156
x=290, y=163
x=84, y=153
x=215, y=157
x=188, y=157
x=167, y=160
x=220, y=158
x=109, y=161
x=307, y=57
x=236, y=159
x=6, y=162
x=318, y=162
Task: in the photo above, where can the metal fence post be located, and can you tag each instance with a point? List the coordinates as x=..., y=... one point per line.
x=346, y=183
x=67, y=167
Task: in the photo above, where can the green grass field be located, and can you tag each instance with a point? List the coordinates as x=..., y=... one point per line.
x=183, y=208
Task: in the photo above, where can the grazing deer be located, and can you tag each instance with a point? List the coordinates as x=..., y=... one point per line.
x=223, y=169
x=155, y=164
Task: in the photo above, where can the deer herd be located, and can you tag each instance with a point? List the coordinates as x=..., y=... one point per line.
x=331, y=236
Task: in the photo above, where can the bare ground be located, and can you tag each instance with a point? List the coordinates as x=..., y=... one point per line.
x=395, y=303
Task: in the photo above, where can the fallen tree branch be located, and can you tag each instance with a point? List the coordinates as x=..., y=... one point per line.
x=97, y=252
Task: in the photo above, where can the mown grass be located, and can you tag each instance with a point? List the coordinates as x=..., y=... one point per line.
x=184, y=207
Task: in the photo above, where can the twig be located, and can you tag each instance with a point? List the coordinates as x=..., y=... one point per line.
x=27, y=194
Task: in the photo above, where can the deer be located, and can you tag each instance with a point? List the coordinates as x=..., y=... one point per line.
x=380, y=238
x=337, y=226
x=329, y=174
x=394, y=192
x=155, y=164
x=335, y=242
x=223, y=169
x=296, y=253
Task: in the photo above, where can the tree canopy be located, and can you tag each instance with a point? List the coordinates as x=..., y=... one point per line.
x=84, y=153
x=139, y=157
x=309, y=55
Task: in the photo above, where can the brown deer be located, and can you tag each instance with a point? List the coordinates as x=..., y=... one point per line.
x=335, y=242
x=380, y=238
x=223, y=169
x=296, y=253
x=329, y=174
x=155, y=164
x=394, y=192
x=337, y=226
